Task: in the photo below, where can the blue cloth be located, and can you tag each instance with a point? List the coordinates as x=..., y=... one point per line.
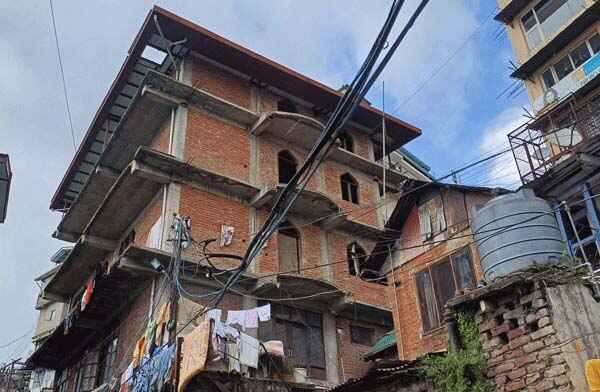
x=154, y=371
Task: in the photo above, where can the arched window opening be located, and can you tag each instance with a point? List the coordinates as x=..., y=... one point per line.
x=288, y=246
x=285, y=105
x=346, y=142
x=349, y=188
x=287, y=166
x=356, y=256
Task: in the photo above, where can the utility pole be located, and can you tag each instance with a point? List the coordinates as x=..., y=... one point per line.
x=180, y=228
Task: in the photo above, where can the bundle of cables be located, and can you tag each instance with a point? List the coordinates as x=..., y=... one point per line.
x=353, y=96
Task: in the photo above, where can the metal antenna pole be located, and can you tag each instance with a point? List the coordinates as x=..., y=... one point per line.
x=385, y=214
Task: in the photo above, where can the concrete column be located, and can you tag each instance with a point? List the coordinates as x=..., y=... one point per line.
x=172, y=203
x=331, y=349
x=178, y=131
x=321, y=178
x=327, y=272
x=252, y=227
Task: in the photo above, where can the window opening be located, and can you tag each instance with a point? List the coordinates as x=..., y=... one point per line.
x=288, y=243
x=356, y=256
x=285, y=105
x=287, y=166
x=349, y=188
x=346, y=142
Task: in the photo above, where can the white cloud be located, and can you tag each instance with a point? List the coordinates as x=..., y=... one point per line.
x=501, y=171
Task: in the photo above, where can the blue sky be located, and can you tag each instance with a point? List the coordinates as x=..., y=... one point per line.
x=457, y=108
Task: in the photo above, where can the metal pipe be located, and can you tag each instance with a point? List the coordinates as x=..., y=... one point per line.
x=595, y=286
x=399, y=327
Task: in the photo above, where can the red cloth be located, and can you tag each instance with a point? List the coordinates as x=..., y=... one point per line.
x=89, y=290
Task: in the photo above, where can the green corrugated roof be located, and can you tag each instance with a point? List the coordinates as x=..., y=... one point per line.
x=388, y=340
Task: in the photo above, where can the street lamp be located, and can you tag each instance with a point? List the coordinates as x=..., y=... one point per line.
x=5, y=176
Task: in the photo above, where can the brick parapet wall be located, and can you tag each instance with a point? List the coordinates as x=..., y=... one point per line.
x=519, y=339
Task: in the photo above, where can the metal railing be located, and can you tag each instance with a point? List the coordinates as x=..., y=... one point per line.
x=540, y=145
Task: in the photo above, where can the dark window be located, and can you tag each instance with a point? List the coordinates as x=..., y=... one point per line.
x=440, y=282
x=346, y=142
x=563, y=67
x=107, y=361
x=361, y=335
x=349, y=188
x=288, y=247
x=595, y=43
x=580, y=55
x=287, y=166
x=285, y=105
x=356, y=257
x=87, y=372
x=302, y=334
x=548, y=78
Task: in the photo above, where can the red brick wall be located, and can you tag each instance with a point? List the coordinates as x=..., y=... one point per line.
x=407, y=319
x=268, y=173
x=219, y=82
x=351, y=353
x=217, y=146
x=208, y=212
x=363, y=212
x=161, y=140
x=147, y=219
x=132, y=325
x=368, y=292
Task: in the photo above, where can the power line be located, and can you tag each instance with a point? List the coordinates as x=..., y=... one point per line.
x=444, y=64
x=62, y=74
x=16, y=339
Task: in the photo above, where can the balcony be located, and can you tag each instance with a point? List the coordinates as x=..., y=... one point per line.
x=557, y=139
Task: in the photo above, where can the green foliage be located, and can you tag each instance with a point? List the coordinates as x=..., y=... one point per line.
x=464, y=370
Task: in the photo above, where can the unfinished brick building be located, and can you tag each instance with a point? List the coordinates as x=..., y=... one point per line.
x=211, y=131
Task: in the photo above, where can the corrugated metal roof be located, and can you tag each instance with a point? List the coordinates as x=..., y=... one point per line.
x=388, y=340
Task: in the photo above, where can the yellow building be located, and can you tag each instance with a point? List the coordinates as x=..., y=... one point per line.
x=556, y=44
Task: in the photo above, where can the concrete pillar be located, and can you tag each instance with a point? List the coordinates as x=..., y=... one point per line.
x=172, y=201
x=326, y=271
x=331, y=348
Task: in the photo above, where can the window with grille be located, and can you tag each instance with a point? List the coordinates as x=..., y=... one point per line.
x=287, y=166
x=361, y=335
x=107, y=361
x=301, y=332
x=349, y=188
x=87, y=371
x=440, y=282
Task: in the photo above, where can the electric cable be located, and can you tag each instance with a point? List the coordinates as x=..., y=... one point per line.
x=62, y=74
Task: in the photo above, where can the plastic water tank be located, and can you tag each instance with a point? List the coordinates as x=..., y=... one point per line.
x=516, y=231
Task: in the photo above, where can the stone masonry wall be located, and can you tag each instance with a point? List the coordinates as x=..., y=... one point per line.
x=519, y=339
